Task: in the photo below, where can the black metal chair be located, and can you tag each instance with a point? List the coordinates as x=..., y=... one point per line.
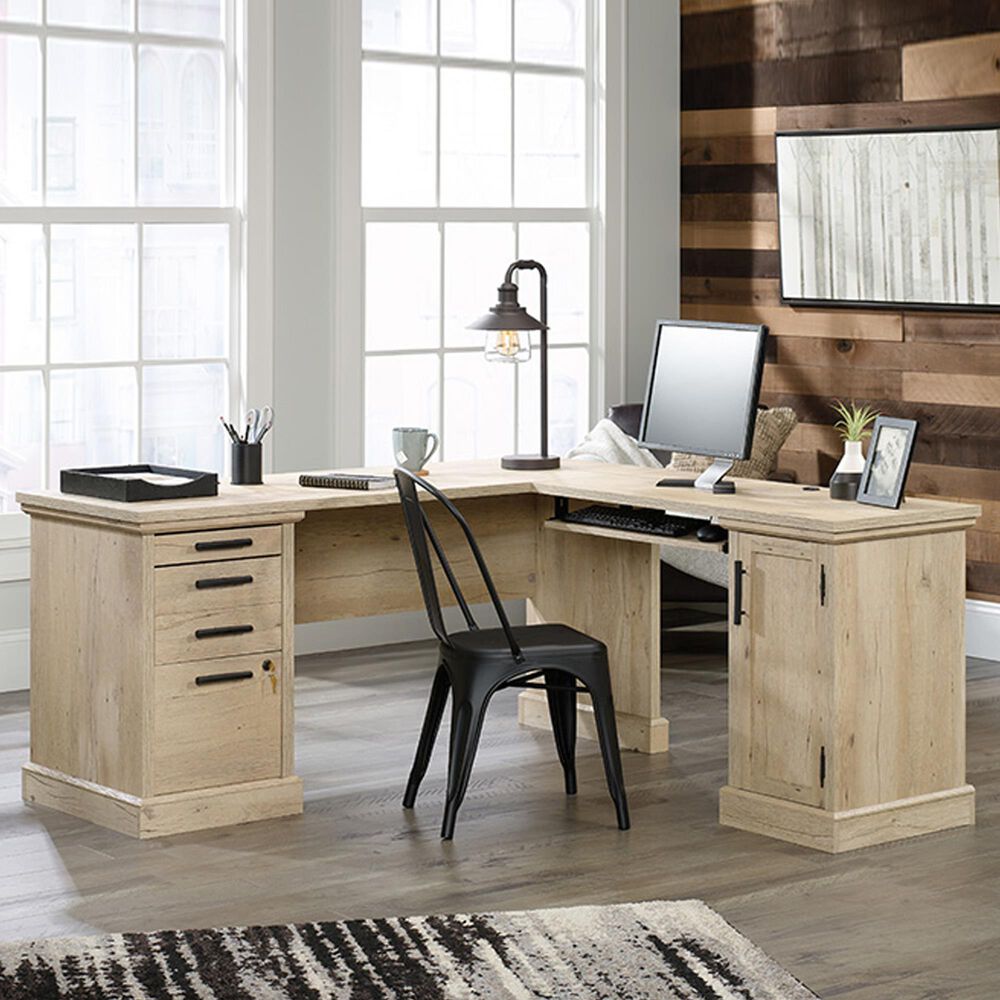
x=477, y=663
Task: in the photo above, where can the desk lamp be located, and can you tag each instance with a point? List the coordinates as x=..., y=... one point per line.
x=504, y=325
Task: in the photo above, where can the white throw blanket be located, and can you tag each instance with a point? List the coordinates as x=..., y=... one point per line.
x=607, y=442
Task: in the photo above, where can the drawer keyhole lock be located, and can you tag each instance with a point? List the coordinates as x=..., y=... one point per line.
x=268, y=667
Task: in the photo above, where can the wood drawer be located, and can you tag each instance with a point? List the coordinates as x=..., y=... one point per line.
x=208, y=546
x=224, y=730
x=235, y=583
x=200, y=635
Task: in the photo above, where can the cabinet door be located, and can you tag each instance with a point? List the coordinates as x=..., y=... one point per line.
x=779, y=678
x=216, y=722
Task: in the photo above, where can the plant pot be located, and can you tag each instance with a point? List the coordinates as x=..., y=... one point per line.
x=847, y=476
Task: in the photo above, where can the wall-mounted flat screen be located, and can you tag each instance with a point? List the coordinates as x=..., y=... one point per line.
x=892, y=218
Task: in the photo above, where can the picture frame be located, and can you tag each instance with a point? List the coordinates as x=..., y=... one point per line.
x=871, y=218
x=888, y=463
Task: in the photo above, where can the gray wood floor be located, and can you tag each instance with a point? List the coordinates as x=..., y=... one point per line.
x=914, y=920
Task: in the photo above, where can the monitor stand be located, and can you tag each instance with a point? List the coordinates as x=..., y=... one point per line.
x=710, y=479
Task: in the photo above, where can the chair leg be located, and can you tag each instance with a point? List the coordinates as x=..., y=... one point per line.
x=562, y=712
x=607, y=734
x=466, y=725
x=428, y=734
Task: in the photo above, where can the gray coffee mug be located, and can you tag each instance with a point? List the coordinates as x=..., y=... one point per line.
x=409, y=445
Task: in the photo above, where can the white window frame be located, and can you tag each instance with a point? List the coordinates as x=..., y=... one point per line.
x=604, y=64
x=248, y=68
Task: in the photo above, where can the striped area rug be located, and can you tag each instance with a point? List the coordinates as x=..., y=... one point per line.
x=632, y=951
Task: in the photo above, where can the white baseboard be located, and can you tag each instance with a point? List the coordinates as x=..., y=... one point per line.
x=15, y=659
x=982, y=629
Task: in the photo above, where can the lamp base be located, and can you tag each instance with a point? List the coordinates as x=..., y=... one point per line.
x=529, y=462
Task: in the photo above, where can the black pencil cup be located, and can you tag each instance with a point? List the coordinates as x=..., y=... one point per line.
x=247, y=463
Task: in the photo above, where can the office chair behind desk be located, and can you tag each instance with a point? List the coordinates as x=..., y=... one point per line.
x=476, y=663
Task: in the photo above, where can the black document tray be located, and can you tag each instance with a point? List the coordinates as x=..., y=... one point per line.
x=109, y=483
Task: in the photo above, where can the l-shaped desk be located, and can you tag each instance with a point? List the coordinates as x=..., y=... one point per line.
x=162, y=640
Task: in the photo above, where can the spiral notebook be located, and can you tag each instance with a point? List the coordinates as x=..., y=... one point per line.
x=347, y=481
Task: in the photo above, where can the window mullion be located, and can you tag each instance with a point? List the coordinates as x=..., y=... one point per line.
x=140, y=400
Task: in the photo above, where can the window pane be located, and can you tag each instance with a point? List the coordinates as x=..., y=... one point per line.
x=181, y=405
x=549, y=141
x=399, y=25
x=21, y=10
x=475, y=137
x=91, y=13
x=476, y=256
x=89, y=123
x=22, y=415
x=182, y=17
x=398, y=135
x=22, y=296
x=569, y=400
x=478, y=407
x=399, y=392
x=20, y=113
x=93, y=302
x=402, y=286
x=92, y=418
x=564, y=249
x=181, y=148
x=550, y=31
x=185, y=291
x=476, y=29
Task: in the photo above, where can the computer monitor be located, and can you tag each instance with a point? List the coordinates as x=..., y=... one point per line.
x=704, y=383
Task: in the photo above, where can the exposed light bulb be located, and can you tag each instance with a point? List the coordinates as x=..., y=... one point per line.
x=507, y=346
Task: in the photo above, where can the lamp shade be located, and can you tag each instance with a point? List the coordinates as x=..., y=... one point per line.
x=507, y=314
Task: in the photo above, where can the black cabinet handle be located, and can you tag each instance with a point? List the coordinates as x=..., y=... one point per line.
x=234, y=675
x=223, y=543
x=223, y=581
x=738, y=572
x=212, y=633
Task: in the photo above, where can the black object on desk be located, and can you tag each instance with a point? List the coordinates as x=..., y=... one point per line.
x=133, y=483
x=347, y=481
x=248, y=463
x=637, y=519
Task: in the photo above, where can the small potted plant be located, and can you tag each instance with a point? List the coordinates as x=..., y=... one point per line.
x=854, y=425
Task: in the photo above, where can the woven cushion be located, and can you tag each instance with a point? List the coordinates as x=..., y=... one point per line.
x=771, y=432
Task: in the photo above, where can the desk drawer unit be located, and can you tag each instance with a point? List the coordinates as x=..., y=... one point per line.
x=209, y=546
x=216, y=722
x=234, y=584
x=199, y=635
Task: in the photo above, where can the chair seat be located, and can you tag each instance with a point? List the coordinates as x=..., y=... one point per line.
x=537, y=642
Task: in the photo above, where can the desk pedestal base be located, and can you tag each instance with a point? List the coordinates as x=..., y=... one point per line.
x=161, y=815
x=837, y=832
x=635, y=732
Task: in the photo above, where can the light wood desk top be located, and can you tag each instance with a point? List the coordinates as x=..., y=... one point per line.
x=775, y=507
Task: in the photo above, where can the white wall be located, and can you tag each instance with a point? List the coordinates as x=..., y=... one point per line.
x=303, y=235
x=652, y=191
x=14, y=558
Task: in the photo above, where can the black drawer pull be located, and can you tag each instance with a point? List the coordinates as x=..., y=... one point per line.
x=234, y=675
x=223, y=543
x=212, y=633
x=223, y=581
x=738, y=572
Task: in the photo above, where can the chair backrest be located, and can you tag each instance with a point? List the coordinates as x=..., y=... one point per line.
x=420, y=532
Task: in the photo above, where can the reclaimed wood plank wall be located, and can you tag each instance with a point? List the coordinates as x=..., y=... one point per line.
x=750, y=67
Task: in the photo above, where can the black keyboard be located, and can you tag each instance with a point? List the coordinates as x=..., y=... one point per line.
x=647, y=522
